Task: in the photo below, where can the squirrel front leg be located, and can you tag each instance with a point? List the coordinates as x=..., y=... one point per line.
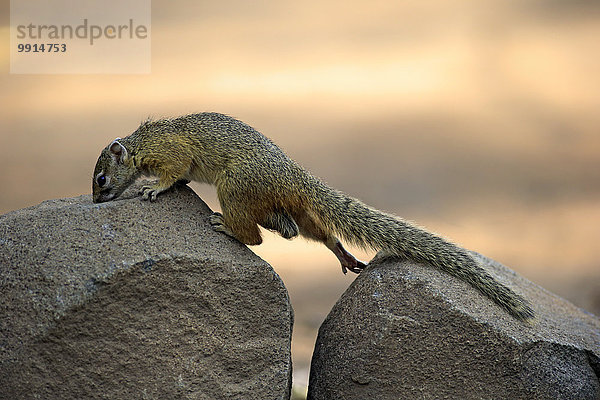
x=166, y=178
x=152, y=191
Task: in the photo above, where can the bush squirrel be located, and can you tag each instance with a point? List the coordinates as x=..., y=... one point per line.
x=258, y=184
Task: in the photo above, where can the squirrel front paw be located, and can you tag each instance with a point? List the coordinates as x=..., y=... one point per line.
x=150, y=192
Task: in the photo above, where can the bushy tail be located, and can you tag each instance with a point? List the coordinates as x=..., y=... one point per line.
x=366, y=227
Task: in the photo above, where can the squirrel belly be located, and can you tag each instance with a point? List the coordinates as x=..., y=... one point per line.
x=259, y=185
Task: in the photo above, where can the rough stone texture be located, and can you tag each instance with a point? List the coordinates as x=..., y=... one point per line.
x=407, y=331
x=137, y=300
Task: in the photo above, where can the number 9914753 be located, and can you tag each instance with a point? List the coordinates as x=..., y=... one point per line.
x=42, y=47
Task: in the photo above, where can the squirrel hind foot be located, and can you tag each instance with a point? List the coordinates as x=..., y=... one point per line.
x=218, y=224
x=347, y=260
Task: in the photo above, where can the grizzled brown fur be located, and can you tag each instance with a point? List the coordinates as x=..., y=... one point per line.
x=258, y=184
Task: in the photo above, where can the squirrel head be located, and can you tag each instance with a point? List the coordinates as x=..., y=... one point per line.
x=115, y=171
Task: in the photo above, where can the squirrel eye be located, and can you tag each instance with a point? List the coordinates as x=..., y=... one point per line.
x=101, y=180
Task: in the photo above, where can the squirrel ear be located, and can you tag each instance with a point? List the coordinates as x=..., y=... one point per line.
x=117, y=151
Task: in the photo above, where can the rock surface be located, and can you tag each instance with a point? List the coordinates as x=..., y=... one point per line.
x=137, y=300
x=407, y=331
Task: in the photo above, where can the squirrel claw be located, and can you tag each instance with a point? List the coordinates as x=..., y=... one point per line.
x=218, y=223
x=149, y=193
x=216, y=219
x=347, y=260
x=356, y=268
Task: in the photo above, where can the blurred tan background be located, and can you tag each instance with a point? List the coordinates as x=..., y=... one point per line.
x=478, y=119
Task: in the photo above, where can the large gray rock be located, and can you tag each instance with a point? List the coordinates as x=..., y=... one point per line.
x=407, y=331
x=137, y=300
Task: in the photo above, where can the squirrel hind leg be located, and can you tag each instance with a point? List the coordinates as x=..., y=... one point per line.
x=311, y=230
x=282, y=222
x=246, y=232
